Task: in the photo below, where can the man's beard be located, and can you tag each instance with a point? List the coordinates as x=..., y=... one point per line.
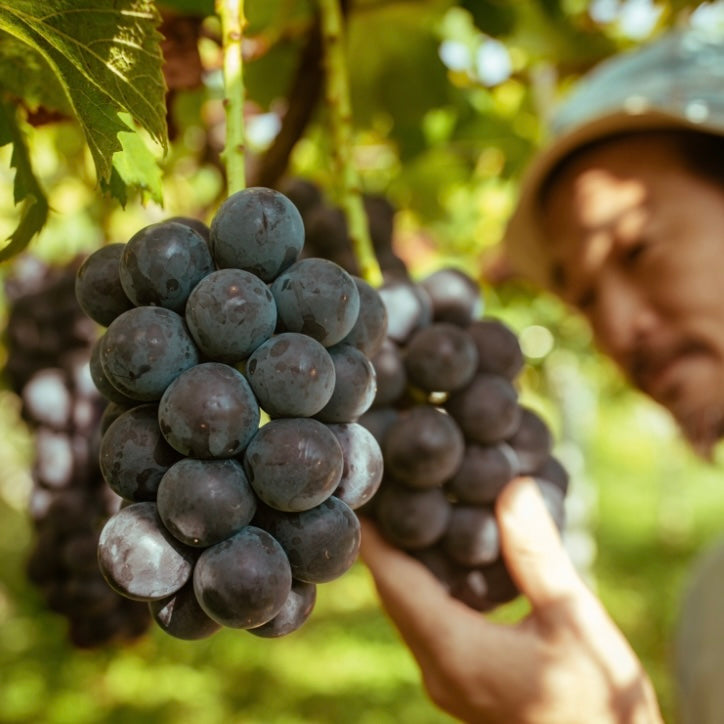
x=703, y=428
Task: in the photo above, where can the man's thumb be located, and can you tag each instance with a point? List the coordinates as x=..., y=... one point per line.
x=532, y=547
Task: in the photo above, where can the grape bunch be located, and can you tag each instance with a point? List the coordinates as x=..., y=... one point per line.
x=446, y=412
x=235, y=371
x=48, y=340
x=453, y=433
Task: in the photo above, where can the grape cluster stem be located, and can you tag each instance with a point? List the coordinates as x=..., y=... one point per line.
x=338, y=102
x=233, y=21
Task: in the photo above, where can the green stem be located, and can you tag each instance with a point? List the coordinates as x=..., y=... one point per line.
x=337, y=97
x=233, y=21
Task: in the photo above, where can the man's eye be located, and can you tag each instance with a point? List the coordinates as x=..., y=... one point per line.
x=586, y=299
x=634, y=252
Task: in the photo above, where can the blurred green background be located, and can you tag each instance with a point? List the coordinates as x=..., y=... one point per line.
x=450, y=103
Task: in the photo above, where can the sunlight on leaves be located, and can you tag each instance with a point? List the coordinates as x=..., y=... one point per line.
x=107, y=58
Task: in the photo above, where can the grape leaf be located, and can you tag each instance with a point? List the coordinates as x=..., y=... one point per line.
x=189, y=7
x=26, y=188
x=25, y=74
x=134, y=167
x=107, y=57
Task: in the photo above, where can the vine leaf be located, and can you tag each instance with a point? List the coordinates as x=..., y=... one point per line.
x=25, y=74
x=134, y=167
x=106, y=55
x=26, y=188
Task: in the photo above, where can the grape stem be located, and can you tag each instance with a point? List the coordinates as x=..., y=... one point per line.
x=233, y=22
x=340, y=113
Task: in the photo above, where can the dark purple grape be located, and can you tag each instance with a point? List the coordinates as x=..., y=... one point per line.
x=47, y=398
x=80, y=555
x=378, y=420
x=411, y=519
x=532, y=442
x=487, y=409
x=441, y=358
x=196, y=224
x=145, y=349
x=483, y=472
x=499, y=352
x=101, y=381
x=553, y=471
x=423, y=447
x=202, y=502
x=139, y=558
x=370, y=329
x=54, y=463
x=438, y=562
x=112, y=412
x=229, y=314
x=554, y=499
x=326, y=233
x=472, y=588
x=209, y=411
x=293, y=614
x=500, y=586
x=162, y=263
x=98, y=286
x=92, y=596
x=294, y=464
x=455, y=296
x=258, y=230
x=318, y=298
x=472, y=538
x=408, y=308
x=304, y=194
x=244, y=581
x=363, y=464
x=354, y=387
x=180, y=615
x=76, y=367
x=134, y=456
x=390, y=374
x=68, y=511
x=322, y=543
x=292, y=375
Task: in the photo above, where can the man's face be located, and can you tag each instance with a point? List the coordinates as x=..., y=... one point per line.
x=638, y=247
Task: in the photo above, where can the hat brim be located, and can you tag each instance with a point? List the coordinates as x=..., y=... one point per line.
x=524, y=240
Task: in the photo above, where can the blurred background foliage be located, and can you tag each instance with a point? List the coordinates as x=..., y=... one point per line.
x=450, y=101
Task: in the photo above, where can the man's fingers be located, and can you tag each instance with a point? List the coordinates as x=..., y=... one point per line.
x=532, y=547
x=418, y=604
x=396, y=574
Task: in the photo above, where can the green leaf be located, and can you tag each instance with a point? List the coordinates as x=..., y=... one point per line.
x=26, y=189
x=493, y=17
x=134, y=167
x=107, y=57
x=402, y=77
x=25, y=74
x=189, y=7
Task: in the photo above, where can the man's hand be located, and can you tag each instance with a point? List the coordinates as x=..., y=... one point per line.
x=565, y=662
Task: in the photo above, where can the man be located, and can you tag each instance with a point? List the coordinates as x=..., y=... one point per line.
x=622, y=216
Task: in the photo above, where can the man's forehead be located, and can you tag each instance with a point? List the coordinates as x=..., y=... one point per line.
x=600, y=197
